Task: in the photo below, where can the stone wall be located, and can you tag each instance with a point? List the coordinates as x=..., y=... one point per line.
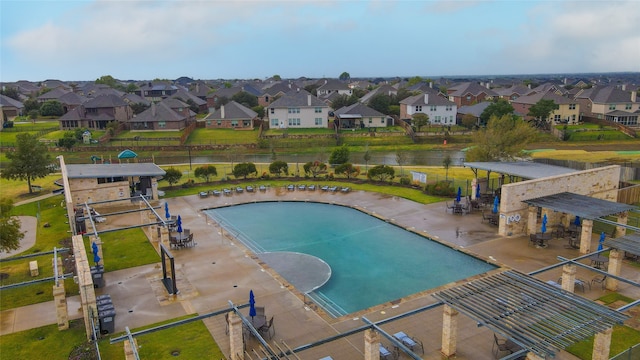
x=601, y=183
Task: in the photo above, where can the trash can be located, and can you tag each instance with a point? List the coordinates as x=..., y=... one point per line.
x=103, y=297
x=105, y=307
x=107, y=321
x=103, y=302
x=97, y=274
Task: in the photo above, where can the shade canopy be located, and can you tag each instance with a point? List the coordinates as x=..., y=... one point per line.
x=127, y=154
x=586, y=207
x=629, y=243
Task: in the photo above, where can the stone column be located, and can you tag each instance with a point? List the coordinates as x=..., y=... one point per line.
x=602, y=345
x=532, y=220
x=164, y=237
x=474, y=187
x=236, y=342
x=449, y=331
x=371, y=347
x=615, y=265
x=533, y=356
x=59, y=299
x=568, y=277
x=585, y=236
x=128, y=349
x=622, y=219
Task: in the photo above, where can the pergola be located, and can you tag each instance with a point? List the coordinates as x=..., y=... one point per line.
x=539, y=317
x=629, y=243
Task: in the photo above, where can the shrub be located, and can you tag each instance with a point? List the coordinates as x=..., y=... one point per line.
x=405, y=180
x=440, y=188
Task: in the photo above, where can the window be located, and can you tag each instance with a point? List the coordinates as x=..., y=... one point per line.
x=572, y=106
x=556, y=118
x=162, y=124
x=219, y=122
x=318, y=121
x=434, y=108
x=294, y=122
x=272, y=110
x=612, y=106
x=370, y=121
x=318, y=110
x=294, y=110
x=266, y=98
x=246, y=123
x=208, y=122
x=234, y=123
x=438, y=118
x=418, y=108
x=468, y=97
x=449, y=108
x=382, y=121
x=627, y=106
x=274, y=122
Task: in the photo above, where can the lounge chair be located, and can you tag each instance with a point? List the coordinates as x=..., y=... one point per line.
x=204, y=194
x=262, y=188
x=239, y=189
x=599, y=279
x=311, y=187
x=386, y=354
x=302, y=187
x=409, y=341
x=249, y=188
x=325, y=188
x=216, y=192
x=345, y=189
x=291, y=187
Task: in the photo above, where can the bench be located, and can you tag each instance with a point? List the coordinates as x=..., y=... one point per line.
x=33, y=268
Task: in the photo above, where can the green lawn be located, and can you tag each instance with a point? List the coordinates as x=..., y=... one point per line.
x=46, y=342
x=8, y=136
x=222, y=136
x=292, y=131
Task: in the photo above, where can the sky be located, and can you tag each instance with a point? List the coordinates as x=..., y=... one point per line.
x=82, y=40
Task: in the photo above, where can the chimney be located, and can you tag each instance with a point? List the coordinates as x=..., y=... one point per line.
x=489, y=86
x=624, y=87
x=222, y=111
x=153, y=109
x=431, y=84
x=309, y=100
x=426, y=99
x=289, y=85
x=529, y=86
x=634, y=96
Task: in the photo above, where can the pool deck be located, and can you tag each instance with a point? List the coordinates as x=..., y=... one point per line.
x=219, y=269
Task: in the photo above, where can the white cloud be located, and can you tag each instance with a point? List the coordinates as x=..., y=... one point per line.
x=449, y=6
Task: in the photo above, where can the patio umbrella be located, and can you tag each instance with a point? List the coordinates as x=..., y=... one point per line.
x=496, y=202
x=544, y=224
x=96, y=258
x=179, y=224
x=94, y=247
x=576, y=222
x=601, y=241
x=459, y=194
x=166, y=210
x=478, y=191
x=252, y=304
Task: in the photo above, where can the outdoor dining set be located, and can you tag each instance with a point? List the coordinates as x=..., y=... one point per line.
x=179, y=237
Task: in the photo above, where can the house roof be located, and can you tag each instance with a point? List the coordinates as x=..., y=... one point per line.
x=549, y=95
x=53, y=94
x=92, y=171
x=359, y=109
x=233, y=110
x=607, y=95
x=549, y=87
x=161, y=111
x=470, y=88
x=72, y=98
x=430, y=98
x=275, y=89
x=384, y=89
x=135, y=99
x=184, y=95
x=333, y=84
x=6, y=101
x=297, y=98
x=104, y=101
x=200, y=89
x=520, y=90
x=74, y=114
x=475, y=109
x=157, y=86
x=225, y=92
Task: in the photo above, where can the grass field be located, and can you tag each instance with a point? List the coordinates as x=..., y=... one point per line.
x=8, y=136
x=222, y=137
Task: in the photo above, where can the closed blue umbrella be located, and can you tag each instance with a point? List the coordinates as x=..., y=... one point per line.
x=179, y=224
x=496, y=202
x=459, y=194
x=252, y=304
x=166, y=210
x=544, y=224
x=601, y=241
x=576, y=222
x=94, y=247
x=478, y=191
x=96, y=258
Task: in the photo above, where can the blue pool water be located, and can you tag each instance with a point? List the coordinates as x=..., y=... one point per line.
x=372, y=261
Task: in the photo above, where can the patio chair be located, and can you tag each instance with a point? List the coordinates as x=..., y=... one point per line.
x=599, y=279
x=409, y=341
x=386, y=354
x=499, y=346
x=267, y=328
x=259, y=311
x=533, y=240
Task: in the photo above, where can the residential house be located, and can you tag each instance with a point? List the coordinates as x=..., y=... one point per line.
x=54, y=94
x=384, y=89
x=185, y=96
x=25, y=88
x=330, y=86
x=168, y=114
x=474, y=110
x=221, y=96
x=96, y=113
x=54, y=84
x=71, y=101
x=274, y=91
x=360, y=116
x=10, y=107
x=298, y=109
x=439, y=109
x=469, y=93
x=200, y=90
x=156, y=91
x=513, y=92
x=546, y=87
x=610, y=103
x=568, y=111
x=232, y=115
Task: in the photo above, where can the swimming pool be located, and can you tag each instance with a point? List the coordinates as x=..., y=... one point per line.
x=371, y=261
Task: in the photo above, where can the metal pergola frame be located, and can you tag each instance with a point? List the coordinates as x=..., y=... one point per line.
x=629, y=243
x=535, y=315
x=586, y=207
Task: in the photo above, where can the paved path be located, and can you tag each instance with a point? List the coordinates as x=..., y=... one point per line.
x=28, y=225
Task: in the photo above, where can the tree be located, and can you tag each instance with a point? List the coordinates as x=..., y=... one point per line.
x=278, y=167
x=29, y=161
x=497, y=108
x=51, y=108
x=342, y=101
x=541, y=111
x=131, y=88
x=107, y=80
x=276, y=77
x=314, y=168
x=345, y=76
x=244, y=170
x=138, y=107
x=401, y=158
x=245, y=99
x=172, y=176
x=419, y=120
x=366, y=157
x=11, y=92
x=68, y=140
x=259, y=109
x=380, y=103
x=446, y=162
x=414, y=80
x=469, y=121
x=503, y=139
x=205, y=172
x=10, y=234
x=381, y=173
x=348, y=170
x=31, y=104
x=339, y=155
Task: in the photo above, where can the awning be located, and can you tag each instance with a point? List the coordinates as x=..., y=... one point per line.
x=629, y=243
x=535, y=315
x=523, y=169
x=586, y=207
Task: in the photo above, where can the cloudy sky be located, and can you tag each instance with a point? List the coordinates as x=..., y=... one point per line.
x=212, y=39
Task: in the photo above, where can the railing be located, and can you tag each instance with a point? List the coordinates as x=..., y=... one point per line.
x=629, y=354
x=326, y=304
